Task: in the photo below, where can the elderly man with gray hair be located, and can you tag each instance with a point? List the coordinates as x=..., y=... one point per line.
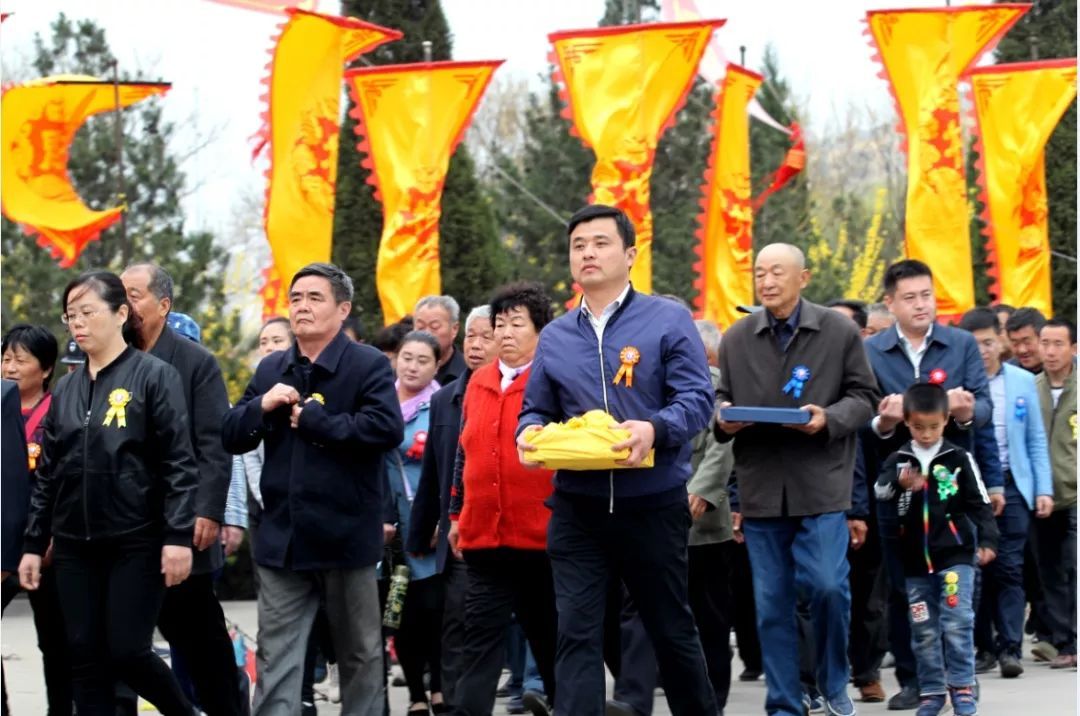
x=795, y=479
x=326, y=411
x=438, y=315
x=429, y=523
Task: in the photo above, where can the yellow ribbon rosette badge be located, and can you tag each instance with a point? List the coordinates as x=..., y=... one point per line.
x=630, y=357
x=118, y=400
x=318, y=398
x=582, y=443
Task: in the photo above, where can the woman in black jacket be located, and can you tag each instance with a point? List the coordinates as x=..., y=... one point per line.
x=115, y=492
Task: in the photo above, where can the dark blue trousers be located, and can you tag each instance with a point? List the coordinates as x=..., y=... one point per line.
x=645, y=547
x=1002, y=604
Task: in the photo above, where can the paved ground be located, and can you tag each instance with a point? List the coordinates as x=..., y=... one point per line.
x=1040, y=691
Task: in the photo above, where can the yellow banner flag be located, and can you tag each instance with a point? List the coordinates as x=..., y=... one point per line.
x=39, y=120
x=301, y=130
x=924, y=52
x=1017, y=107
x=413, y=117
x=725, y=248
x=623, y=86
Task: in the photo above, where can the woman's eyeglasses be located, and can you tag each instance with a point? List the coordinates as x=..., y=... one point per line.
x=84, y=315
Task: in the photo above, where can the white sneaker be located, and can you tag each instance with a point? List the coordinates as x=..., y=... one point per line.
x=330, y=687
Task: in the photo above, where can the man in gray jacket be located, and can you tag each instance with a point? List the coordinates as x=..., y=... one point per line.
x=711, y=537
x=795, y=480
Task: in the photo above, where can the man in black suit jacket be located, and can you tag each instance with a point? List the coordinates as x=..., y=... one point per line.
x=191, y=617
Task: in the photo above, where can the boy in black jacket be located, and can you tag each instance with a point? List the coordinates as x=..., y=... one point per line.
x=946, y=523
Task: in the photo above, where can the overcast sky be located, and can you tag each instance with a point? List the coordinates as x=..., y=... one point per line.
x=215, y=55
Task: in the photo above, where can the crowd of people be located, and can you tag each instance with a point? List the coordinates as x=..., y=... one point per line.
x=916, y=496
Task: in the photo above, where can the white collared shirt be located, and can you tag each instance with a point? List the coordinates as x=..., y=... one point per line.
x=915, y=355
x=599, y=322
x=1000, y=417
x=509, y=374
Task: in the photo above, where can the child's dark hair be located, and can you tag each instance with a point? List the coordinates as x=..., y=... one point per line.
x=925, y=398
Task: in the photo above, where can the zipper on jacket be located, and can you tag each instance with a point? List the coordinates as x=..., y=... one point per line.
x=607, y=409
x=86, y=445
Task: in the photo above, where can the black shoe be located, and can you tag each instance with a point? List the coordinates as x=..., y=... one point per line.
x=906, y=700
x=750, y=674
x=618, y=708
x=503, y=691
x=985, y=662
x=536, y=703
x=1010, y=666
x=308, y=709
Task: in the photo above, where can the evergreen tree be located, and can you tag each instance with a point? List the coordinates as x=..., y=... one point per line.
x=153, y=184
x=1048, y=30
x=472, y=260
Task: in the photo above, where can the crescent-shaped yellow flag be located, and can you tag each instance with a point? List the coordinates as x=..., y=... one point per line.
x=924, y=52
x=725, y=240
x=413, y=117
x=1017, y=107
x=301, y=130
x=38, y=120
x=623, y=86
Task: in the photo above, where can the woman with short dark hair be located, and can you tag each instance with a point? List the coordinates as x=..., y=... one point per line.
x=497, y=507
x=29, y=359
x=115, y=493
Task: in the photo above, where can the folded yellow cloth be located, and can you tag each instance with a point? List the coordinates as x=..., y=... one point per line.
x=582, y=443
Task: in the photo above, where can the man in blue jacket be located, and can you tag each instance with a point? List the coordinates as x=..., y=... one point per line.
x=917, y=349
x=326, y=411
x=1020, y=443
x=641, y=359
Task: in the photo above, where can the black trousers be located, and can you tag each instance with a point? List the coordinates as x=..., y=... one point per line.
x=52, y=642
x=418, y=640
x=711, y=603
x=868, y=639
x=456, y=582
x=8, y=589
x=192, y=621
x=742, y=599
x=504, y=582
x=628, y=652
x=646, y=548
x=110, y=595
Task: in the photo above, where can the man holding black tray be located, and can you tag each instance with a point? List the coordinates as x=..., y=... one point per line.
x=794, y=473
x=640, y=359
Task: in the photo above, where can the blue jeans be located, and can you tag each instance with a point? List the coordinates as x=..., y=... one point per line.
x=804, y=556
x=524, y=674
x=943, y=636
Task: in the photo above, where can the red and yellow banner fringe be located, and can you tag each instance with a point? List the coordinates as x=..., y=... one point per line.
x=724, y=270
x=39, y=120
x=1017, y=107
x=622, y=87
x=411, y=119
x=923, y=53
x=301, y=131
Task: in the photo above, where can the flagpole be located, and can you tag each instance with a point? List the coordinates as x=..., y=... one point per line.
x=118, y=128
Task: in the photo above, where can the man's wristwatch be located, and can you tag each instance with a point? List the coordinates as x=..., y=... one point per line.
x=965, y=424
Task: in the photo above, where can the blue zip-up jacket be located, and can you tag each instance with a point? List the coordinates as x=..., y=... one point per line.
x=955, y=352
x=573, y=374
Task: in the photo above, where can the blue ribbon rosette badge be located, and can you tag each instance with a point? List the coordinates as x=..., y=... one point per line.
x=1021, y=409
x=799, y=377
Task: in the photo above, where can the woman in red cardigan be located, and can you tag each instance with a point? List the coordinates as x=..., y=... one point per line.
x=499, y=520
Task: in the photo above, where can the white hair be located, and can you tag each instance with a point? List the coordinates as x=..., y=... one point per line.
x=447, y=303
x=710, y=334
x=478, y=312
